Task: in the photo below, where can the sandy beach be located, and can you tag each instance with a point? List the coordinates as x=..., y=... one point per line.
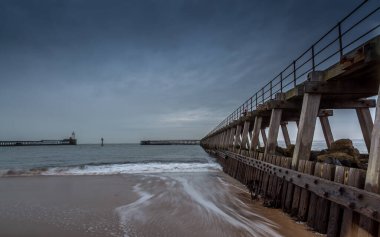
x=168, y=204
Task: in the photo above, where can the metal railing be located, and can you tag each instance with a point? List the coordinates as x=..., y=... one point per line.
x=347, y=34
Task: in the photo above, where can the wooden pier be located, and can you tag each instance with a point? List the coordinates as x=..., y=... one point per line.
x=170, y=142
x=332, y=199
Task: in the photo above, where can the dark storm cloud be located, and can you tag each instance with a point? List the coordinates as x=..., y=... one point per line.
x=140, y=69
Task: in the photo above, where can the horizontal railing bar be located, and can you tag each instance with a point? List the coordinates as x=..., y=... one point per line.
x=365, y=34
x=359, y=22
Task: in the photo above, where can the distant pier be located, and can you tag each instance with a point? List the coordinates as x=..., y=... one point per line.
x=67, y=141
x=170, y=142
x=39, y=143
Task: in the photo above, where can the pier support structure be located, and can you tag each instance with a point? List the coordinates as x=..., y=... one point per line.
x=237, y=139
x=256, y=132
x=366, y=125
x=326, y=128
x=368, y=227
x=264, y=136
x=308, y=118
x=245, y=134
x=285, y=133
x=274, y=126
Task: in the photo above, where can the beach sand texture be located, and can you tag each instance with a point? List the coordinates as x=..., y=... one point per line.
x=167, y=204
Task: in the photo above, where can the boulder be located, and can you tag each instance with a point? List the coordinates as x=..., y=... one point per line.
x=342, y=152
x=339, y=158
x=342, y=144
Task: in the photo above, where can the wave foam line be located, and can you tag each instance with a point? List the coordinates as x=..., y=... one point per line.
x=134, y=168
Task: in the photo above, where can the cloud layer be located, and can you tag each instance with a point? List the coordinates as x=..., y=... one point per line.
x=128, y=70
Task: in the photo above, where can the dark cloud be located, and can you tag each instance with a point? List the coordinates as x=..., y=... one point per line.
x=137, y=69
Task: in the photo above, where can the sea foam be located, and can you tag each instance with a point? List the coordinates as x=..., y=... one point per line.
x=133, y=168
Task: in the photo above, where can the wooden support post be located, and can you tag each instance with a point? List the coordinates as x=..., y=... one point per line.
x=237, y=140
x=245, y=135
x=264, y=136
x=274, y=126
x=226, y=140
x=221, y=138
x=285, y=133
x=213, y=141
x=372, y=180
x=309, y=113
x=256, y=133
x=366, y=124
x=350, y=219
x=325, y=124
x=231, y=139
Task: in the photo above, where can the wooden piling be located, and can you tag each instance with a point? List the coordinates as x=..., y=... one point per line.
x=366, y=125
x=256, y=132
x=285, y=133
x=274, y=125
x=325, y=124
x=309, y=112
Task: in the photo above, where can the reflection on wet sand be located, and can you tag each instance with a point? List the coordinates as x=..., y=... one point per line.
x=196, y=204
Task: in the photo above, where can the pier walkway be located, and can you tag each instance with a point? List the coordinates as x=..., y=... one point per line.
x=341, y=70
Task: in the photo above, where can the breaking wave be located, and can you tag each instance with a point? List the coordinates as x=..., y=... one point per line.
x=123, y=168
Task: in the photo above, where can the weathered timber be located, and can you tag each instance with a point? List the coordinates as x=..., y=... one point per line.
x=366, y=125
x=285, y=133
x=372, y=180
x=336, y=211
x=310, y=108
x=325, y=124
x=305, y=193
x=311, y=217
x=335, y=192
x=231, y=139
x=323, y=204
x=264, y=136
x=243, y=144
x=355, y=178
x=274, y=126
x=237, y=138
x=297, y=191
x=287, y=188
x=330, y=198
x=256, y=132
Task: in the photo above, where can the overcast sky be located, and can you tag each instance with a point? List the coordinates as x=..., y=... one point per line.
x=147, y=69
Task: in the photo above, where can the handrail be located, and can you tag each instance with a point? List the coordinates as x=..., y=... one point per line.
x=320, y=53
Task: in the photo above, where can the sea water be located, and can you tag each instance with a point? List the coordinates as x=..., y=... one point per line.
x=113, y=159
x=108, y=159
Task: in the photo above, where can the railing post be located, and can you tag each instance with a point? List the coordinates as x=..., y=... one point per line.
x=262, y=93
x=294, y=74
x=281, y=82
x=270, y=89
x=340, y=40
x=312, y=57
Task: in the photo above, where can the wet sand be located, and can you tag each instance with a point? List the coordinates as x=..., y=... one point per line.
x=171, y=204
